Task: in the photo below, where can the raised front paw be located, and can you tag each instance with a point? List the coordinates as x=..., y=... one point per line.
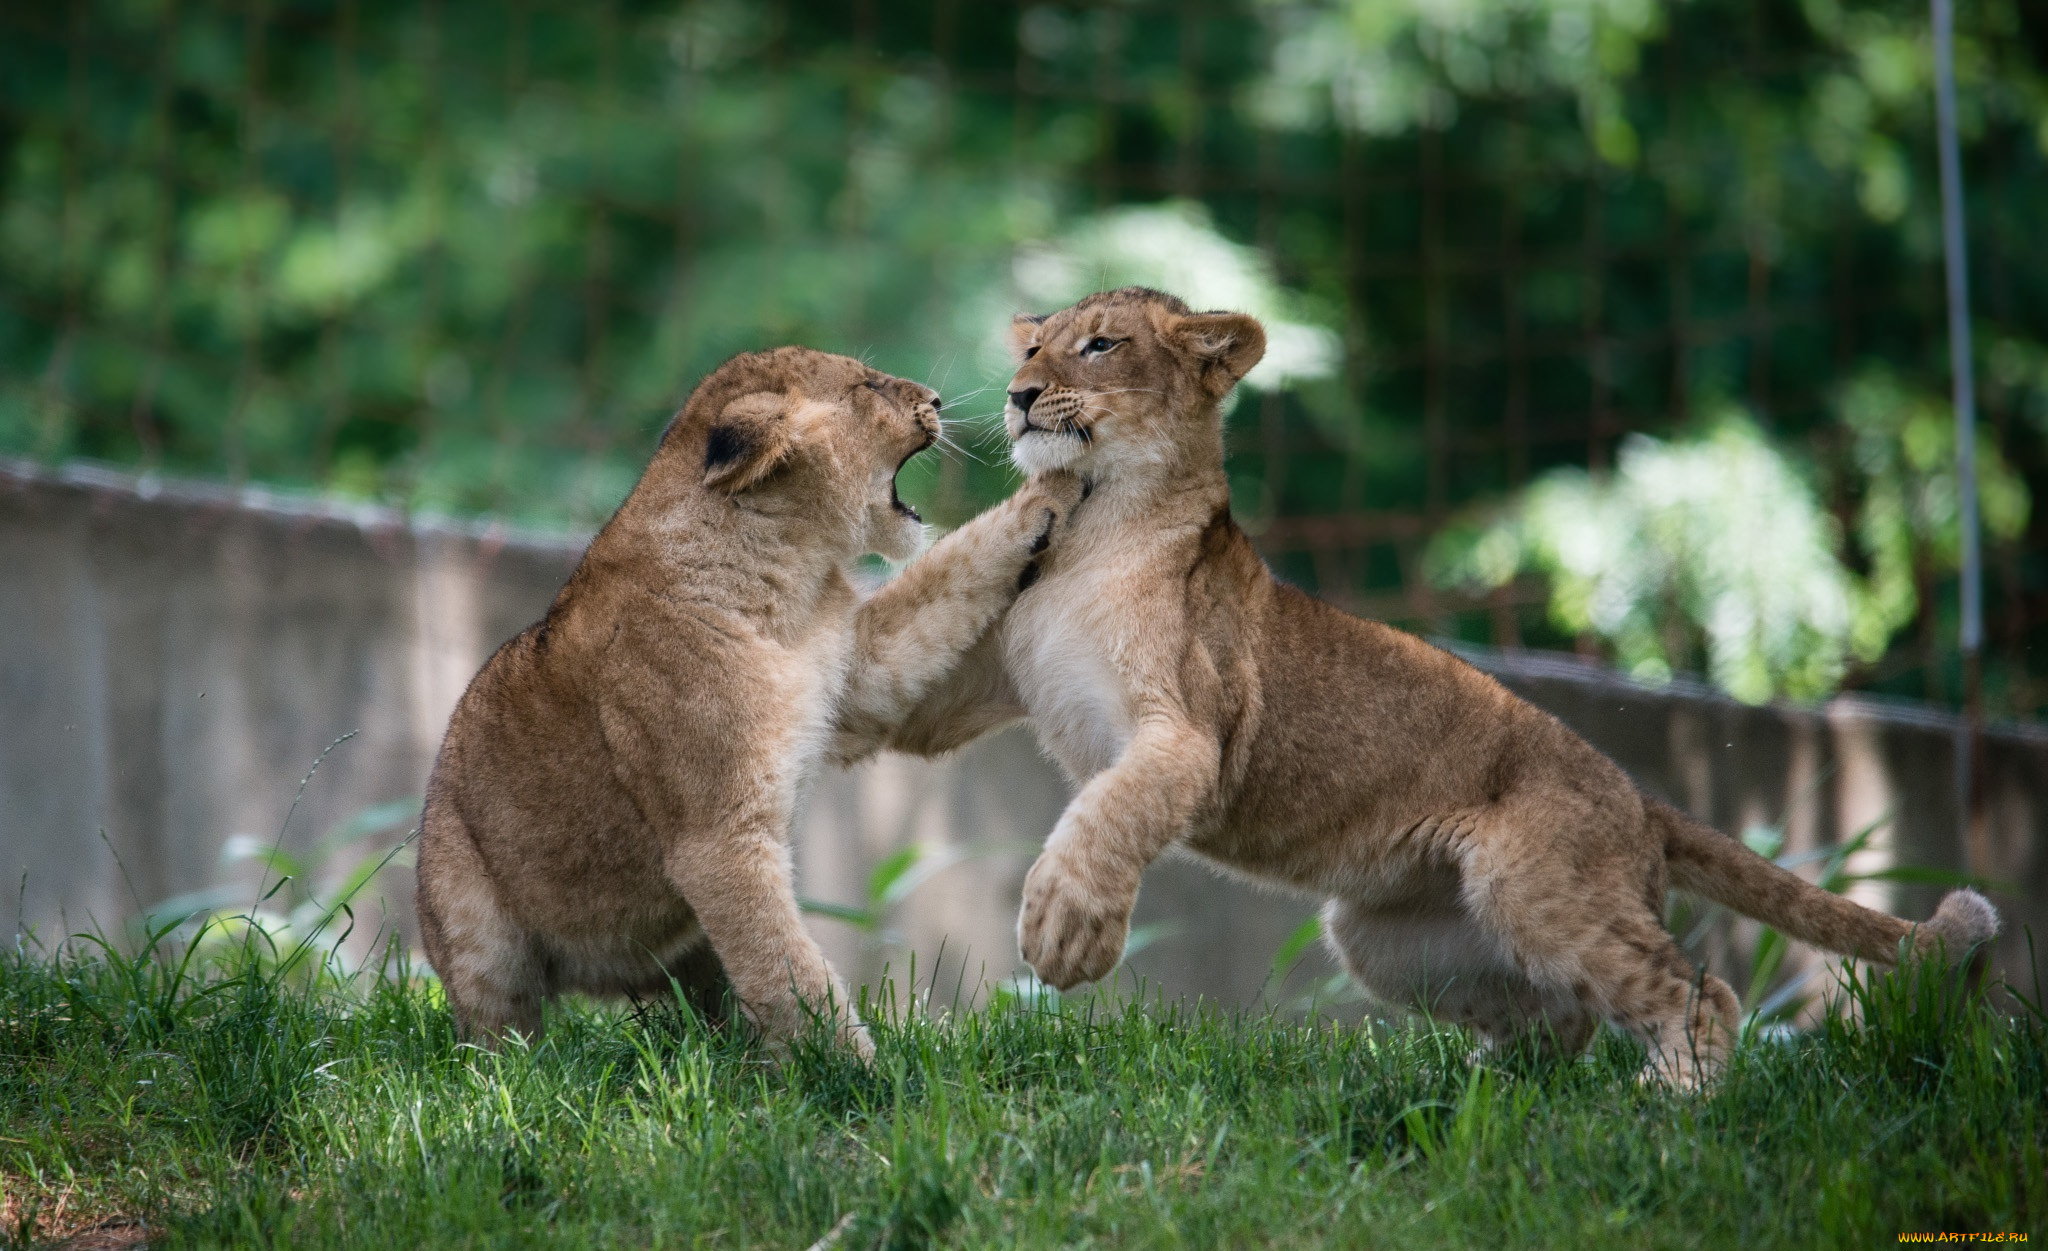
x=1074, y=923
x=1047, y=501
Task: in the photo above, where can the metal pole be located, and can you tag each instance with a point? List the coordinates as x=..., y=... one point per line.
x=1956, y=255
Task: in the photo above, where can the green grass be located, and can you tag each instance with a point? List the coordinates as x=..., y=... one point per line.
x=246, y=1110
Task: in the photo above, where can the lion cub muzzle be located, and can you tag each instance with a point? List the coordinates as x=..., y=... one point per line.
x=1049, y=427
x=1051, y=410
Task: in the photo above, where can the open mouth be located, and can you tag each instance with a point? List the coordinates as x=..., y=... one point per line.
x=895, y=500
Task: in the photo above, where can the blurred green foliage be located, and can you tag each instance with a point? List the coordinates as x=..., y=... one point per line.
x=1718, y=547
x=467, y=257
x=1721, y=531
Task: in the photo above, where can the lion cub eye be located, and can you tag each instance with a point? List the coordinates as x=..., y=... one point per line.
x=1098, y=345
x=1030, y=352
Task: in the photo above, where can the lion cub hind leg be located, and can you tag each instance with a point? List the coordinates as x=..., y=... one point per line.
x=1443, y=965
x=1578, y=923
x=490, y=969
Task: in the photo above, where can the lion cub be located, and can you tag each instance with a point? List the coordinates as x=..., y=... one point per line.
x=1477, y=856
x=616, y=785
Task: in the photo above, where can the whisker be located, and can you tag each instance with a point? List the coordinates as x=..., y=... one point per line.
x=940, y=385
x=963, y=398
x=991, y=440
x=947, y=444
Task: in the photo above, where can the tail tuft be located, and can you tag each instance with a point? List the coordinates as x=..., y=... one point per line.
x=1964, y=920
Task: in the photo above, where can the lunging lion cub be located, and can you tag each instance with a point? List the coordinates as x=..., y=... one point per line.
x=1477, y=856
x=616, y=786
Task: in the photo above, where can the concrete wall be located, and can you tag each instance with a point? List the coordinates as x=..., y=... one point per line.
x=174, y=657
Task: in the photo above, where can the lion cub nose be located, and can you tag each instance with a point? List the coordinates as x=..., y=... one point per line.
x=1025, y=398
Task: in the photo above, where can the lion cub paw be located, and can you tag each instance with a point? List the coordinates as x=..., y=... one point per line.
x=1047, y=501
x=1072, y=929
x=780, y=1030
x=1044, y=504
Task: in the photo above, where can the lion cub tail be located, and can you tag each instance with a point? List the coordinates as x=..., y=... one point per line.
x=1707, y=862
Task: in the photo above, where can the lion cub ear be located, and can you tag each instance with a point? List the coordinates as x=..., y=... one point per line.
x=1023, y=328
x=747, y=440
x=1226, y=344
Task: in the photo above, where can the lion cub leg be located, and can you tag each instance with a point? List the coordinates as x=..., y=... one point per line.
x=1079, y=893
x=489, y=969
x=1439, y=962
x=1690, y=1019
x=1591, y=933
x=740, y=886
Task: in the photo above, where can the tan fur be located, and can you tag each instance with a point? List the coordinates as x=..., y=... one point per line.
x=1478, y=857
x=617, y=783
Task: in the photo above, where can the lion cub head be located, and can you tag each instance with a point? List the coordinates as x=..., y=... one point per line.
x=805, y=434
x=1124, y=381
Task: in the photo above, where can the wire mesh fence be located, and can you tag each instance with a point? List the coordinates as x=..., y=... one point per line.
x=468, y=257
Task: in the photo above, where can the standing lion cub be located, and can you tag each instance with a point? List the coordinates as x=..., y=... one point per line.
x=1477, y=856
x=616, y=786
